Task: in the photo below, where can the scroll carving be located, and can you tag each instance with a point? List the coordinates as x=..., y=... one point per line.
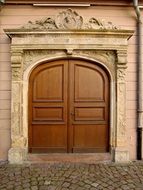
x=47, y=23
x=121, y=92
x=102, y=56
x=69, y=19
x=16, y=73
x=121, y=74
x=100, y=24
x=37, y=55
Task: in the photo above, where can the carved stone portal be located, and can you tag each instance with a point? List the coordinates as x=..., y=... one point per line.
x=55, y=38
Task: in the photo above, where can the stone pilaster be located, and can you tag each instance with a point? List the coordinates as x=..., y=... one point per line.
x=18, y=142
x=121, y=153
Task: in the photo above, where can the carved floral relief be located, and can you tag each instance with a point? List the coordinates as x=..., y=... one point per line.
x=102, y=56
x=69, y=19
x=33, y=56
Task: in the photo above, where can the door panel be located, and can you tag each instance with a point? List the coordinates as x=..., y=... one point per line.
x=48, y=107
x=50, y=79
x=85, y=88
x=92, y=114
x=89, y=99
x=49, y=138
x=68, y=107
x=87, y=138
x=48, y=113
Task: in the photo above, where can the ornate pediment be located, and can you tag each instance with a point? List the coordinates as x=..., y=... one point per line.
x=68, y=19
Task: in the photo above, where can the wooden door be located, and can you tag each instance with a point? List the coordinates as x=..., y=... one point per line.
x=89, y=107
x=48, y=108
x=68, y=107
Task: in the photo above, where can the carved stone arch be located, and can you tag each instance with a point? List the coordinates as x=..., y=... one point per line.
x=93, y=56
x=52, y=38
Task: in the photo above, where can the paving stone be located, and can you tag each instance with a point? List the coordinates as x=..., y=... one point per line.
x=47, y=182
x=64, y=176
x=17, y=187
x=34, y=188
x=66, y=184
x=94, y=184
x=87, y=186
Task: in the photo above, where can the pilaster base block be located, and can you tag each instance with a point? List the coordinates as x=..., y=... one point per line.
x=120, y=155
x=17, y=155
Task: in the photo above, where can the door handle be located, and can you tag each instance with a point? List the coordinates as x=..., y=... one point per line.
x=72, y=114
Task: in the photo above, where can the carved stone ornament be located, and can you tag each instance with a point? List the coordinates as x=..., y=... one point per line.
x=100, y=24
x=121, y=74
x=47, y=23
x=103, y=56
x=16, y=73
x=68, y=19
x=31, y=57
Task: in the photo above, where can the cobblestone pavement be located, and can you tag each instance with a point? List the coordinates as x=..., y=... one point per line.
x=72, y=176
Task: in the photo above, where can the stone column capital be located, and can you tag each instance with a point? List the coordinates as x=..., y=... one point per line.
x=121, y=57
x=16, y=57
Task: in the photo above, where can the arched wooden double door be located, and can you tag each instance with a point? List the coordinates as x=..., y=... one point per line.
x=68, y=107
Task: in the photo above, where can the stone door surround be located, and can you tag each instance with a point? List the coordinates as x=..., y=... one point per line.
x=68, y=36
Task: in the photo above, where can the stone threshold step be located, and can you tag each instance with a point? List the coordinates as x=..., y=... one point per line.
x=71, y=158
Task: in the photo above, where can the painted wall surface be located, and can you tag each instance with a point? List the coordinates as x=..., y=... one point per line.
x=14, y=16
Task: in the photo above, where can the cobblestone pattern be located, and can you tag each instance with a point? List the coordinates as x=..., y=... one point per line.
x=72, y=176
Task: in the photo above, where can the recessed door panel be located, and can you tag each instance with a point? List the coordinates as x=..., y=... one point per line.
x=85, y=88
x=89, y=138
x=89, y=113
x=48, y=113
x=52, y=81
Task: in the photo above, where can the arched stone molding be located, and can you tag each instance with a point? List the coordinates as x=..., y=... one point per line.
x=103, y=43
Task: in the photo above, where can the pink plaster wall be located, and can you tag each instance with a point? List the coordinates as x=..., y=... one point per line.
x=13, y=16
